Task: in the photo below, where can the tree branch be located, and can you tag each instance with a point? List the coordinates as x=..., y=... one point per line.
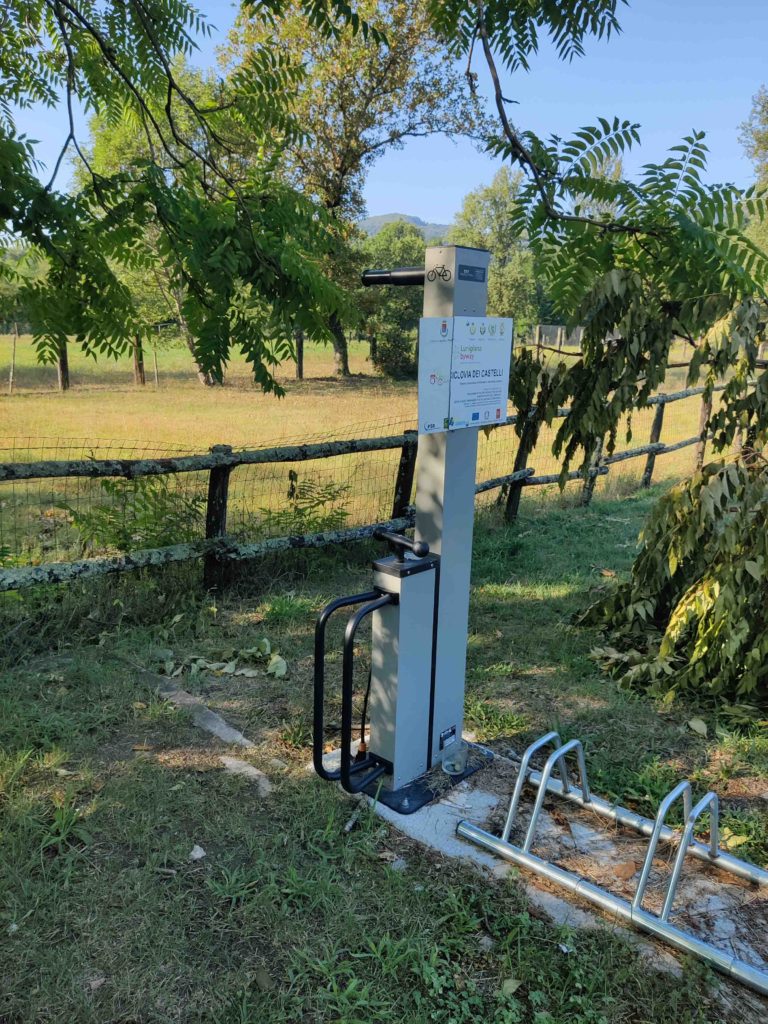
x=525, y=157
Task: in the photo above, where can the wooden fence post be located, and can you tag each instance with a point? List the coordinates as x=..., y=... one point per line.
x=704, y=415
x=405, y=471
x=650, y=462
x=214, y=569
x=594, y=464
x=526, y=444
x=154, y=366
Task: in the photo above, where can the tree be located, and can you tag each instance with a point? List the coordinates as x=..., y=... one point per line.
x=754, y=138
x=489, y=219
x=246, y=249
x=359, y=98
x=644, y=263
x=391, y=315
x=156, y=282
x=754, y=133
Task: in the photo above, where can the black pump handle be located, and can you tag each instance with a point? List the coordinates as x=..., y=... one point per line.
x=397, y=540
x=399, y=276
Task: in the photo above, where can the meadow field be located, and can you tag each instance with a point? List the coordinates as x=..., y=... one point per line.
x=105, y=415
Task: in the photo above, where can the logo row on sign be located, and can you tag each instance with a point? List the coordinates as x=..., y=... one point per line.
x=486, y=324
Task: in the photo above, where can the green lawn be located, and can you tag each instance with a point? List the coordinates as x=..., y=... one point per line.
x=104, y=790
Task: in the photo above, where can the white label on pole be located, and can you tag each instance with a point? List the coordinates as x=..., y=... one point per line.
x=435, y=349
x=463, y=371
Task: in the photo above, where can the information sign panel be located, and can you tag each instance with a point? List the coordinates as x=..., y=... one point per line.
x=463, y=371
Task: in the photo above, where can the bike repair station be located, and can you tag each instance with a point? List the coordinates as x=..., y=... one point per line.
x=406, y=750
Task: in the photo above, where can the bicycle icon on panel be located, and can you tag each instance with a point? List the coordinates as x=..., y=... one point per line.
x=442, y=272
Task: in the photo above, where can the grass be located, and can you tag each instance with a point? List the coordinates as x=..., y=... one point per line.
x=105, y=403
x=104, y=790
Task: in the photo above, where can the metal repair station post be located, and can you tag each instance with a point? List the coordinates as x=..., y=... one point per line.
x=419, y=603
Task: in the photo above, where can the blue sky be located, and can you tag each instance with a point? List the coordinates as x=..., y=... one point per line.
x=678, y=65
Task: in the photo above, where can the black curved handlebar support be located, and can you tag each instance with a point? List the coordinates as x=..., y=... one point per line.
x=356, y=785
x=401, y=276
x=318, y=711
x=397, y=542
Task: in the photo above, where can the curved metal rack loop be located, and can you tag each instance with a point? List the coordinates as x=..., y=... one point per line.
x=682, y=789
x=708, y=801
x=633, y=913
x=557, y=757
x=522, y=777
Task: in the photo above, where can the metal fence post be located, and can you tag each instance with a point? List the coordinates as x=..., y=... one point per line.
x=650, y=462
x=405, y=471
x=214, y=569
x=594, y=464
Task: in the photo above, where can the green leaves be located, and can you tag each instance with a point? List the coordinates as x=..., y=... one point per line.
x=693, y=613
x=515, y=28
x=238, y=253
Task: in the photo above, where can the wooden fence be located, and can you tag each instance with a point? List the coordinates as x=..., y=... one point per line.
x=219, y=550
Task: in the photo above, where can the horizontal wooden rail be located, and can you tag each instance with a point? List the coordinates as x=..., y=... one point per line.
x=501, y=481
x=224, y=547
x=132, y=468
x=555, y=478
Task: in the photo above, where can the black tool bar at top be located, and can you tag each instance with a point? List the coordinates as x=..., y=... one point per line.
x=400, y=276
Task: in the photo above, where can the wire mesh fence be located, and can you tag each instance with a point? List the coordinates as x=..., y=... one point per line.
x=63, y=518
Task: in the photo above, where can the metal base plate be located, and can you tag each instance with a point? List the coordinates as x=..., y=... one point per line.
x=429, y=787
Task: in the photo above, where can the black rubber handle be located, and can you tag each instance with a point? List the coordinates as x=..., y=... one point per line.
x=400, y=276
x=397, y=540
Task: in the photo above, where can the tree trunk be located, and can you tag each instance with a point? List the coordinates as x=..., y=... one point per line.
x=154, y=364
x=139, y=376
x=13, y=357
x=299, y=337
x=704, y=416
x=63, y=367
x=204, y=376
x=526, y=444
x=340, y=350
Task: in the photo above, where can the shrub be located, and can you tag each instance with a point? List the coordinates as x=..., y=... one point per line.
x=395, y=356
x=692, y=617
x=144, y=513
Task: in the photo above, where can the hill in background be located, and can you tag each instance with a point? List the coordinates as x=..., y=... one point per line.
x=431, y=232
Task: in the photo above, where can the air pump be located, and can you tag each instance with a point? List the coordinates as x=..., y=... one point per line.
x=419, y=601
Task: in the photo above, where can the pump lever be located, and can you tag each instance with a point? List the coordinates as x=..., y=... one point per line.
x=399, y=276
x=397, y=540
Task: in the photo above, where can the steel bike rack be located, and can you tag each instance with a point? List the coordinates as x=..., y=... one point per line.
x=657, y=831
